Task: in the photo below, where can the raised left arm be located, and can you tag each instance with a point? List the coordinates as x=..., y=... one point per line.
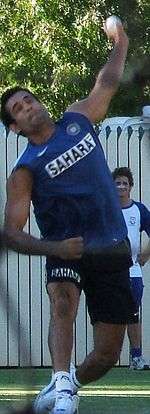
x=95, y=106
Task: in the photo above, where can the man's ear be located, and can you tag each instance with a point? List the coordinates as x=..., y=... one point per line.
x=13, y=126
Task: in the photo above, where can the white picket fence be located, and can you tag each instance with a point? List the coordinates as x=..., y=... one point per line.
x=24, y=305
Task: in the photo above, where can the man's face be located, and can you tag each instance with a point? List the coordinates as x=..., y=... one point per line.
x=28, y=113
x=123, y=187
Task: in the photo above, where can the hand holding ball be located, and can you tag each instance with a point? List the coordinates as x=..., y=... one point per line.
x=111, y=24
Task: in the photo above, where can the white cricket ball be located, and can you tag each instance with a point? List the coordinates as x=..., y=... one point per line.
x=111, y=23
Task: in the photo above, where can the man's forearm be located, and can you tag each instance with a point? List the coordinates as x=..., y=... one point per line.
x=146, y=250
x=112, y=72
x=144, y=256
x=24, y=243
x=21, y=242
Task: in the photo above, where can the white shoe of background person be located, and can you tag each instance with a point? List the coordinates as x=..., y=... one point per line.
x=139, y=363
x=45, y=400
x=66, y=403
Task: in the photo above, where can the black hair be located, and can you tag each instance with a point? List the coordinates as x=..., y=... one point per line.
x=123, y=172
x=6, y=117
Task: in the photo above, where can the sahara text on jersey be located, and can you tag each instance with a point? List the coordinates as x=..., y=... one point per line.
x=70, y=157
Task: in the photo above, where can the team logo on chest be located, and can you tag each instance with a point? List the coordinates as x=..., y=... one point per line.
x=132, y=220
x=73, y=129
x=71, y=157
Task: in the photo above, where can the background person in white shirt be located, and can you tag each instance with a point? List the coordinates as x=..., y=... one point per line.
x=146, y=113
x=137, y=218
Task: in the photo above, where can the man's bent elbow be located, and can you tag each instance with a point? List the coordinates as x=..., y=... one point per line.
x=9, y=236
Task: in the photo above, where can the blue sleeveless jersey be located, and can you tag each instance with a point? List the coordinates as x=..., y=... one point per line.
x=73, y=190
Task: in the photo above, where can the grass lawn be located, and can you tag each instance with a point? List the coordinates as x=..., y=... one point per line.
x=121, y=391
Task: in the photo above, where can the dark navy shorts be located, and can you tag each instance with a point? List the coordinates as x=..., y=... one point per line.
x=104, y=278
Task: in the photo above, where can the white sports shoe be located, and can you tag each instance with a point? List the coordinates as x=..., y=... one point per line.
x=139, y=363
x=76, y=401
x=45, y=400
x=66, y=404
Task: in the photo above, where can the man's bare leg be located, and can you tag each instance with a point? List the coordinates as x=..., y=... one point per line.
x=135, y=337
x=64, y=300
x=134, y=334
x=108, y=340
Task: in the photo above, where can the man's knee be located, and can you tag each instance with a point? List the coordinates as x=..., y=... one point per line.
x=62, y=303
x=108, y=340
x=106, y=358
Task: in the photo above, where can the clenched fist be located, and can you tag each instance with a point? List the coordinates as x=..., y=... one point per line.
x=70, y=249
x=118, y=34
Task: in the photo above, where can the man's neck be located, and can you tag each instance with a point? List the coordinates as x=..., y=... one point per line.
x=125, y=202
x=42, y=135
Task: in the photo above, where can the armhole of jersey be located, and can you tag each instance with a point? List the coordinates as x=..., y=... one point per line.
x=80, y=115
x=142, y=208
x=20, y=163
x=19, y=166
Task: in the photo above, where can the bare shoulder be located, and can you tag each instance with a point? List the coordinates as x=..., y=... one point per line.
x=19, y=190
x=20, y=180
x=95, y=106
x=79, y=106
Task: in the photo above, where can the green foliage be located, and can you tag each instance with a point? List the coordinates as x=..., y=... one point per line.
x=56, y=48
